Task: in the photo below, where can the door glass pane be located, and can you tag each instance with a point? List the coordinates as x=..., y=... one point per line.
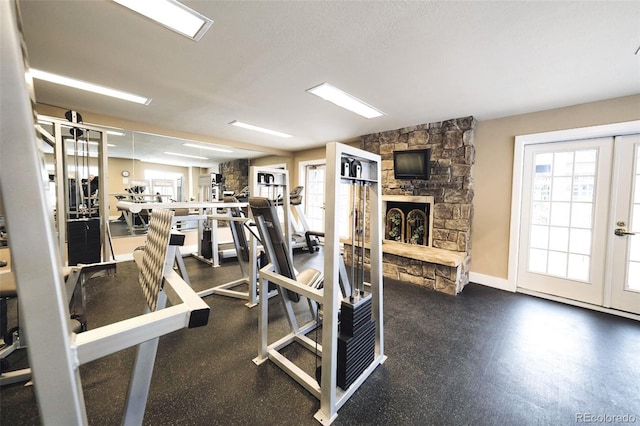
x=580, y=241
x=558, y=238
x=542, y=188
x=560, y=214
x=561, y=189
x=541, y=213
x=581, y=215
x=585, y=162
x=633, y=281
x=578, y=267
x=539, y=237
x=557, y=263
x=561, y=230
x=634, y=276
x=314, y=197
x=633, y=272
x=537, y=260
x=583, y=188
x=563, y=164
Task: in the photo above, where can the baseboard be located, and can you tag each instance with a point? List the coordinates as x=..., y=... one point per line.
x=489, y=281
x=503, y=284
x=580, y=304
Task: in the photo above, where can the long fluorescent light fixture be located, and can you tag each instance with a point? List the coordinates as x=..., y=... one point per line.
x=345, y=100
x=210, y=148
x=171, y=14
x=259, y=129
x=187, y=156
x=89, y=87
x=82, y=141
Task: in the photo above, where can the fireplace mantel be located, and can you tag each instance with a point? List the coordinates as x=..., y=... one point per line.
x=417, y=252
x=426, y=254
x=424, y=199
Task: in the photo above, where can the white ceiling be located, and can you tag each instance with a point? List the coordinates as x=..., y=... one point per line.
x=416, y=61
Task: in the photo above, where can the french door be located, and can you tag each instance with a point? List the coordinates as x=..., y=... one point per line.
x=580, y=209
x=625, y=293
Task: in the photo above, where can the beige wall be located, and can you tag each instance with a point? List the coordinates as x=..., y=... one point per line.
x=494, y=142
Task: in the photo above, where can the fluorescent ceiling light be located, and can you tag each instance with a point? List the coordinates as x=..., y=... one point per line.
x=185, y=155
x=89, y=87
x=171, y=14
x=345, y=100
x=210, y=148
x=259, y=129
x=82, y=141
x=114, y=133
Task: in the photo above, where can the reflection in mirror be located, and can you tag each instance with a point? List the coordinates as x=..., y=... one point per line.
x=151, y=167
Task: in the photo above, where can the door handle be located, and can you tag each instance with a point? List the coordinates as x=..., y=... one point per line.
x=621, y=232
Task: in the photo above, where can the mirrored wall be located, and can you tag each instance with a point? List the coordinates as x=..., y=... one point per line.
x=152, y=166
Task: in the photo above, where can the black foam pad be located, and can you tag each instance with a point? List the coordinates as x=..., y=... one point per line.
x=283, y=261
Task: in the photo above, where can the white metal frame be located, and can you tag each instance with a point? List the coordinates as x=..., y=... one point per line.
x=281, y=177
x=331, y=397
x=249, y=269
x=55, y=353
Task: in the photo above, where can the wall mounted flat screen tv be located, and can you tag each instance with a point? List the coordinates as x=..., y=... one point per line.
x=412, y=164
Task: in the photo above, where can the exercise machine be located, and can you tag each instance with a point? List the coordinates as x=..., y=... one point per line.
x=55, y=352
x=302, y=232
x=246, y=251
x=81, y=207
x=14, y=339
x=210, y=187
x=353, y=346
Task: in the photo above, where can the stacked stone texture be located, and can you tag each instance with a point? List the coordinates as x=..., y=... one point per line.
x=451, y=185
x=235, y=174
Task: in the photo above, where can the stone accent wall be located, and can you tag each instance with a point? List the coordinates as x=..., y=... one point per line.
x=235, y=174
x=451, y=185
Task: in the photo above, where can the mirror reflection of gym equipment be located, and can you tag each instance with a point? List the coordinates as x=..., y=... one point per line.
x=55, y=349
x=81, y=200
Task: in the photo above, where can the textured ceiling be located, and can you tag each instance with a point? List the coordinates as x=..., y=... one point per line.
x=416, y=61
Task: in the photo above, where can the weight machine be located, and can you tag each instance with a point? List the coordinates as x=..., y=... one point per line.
x=55, y=352
x=353, y=346
x=246, y=253
x=81, y=209
x=210, y=187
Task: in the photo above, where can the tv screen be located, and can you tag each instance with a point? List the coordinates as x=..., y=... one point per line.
x=412, y=164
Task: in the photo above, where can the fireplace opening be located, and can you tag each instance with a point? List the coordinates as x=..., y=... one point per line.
x=408, y=222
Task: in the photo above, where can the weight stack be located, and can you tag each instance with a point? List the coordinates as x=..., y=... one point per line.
x=205, y=244
x=356, y=342
x=83, y=241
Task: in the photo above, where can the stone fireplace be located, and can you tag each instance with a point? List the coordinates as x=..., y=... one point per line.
x=442, y=261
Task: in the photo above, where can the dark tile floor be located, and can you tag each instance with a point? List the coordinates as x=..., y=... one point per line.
x=483, y=357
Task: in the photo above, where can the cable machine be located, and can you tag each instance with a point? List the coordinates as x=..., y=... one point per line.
x=81, y=205
x=353, y=346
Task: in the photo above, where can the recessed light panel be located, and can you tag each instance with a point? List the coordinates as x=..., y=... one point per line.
x=186, y=156
x=345, y=100
x=259, y=129
x=89, y=87
x=171, y=14
x=209, y=148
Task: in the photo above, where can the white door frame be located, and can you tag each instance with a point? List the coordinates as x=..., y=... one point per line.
x=607, y=130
